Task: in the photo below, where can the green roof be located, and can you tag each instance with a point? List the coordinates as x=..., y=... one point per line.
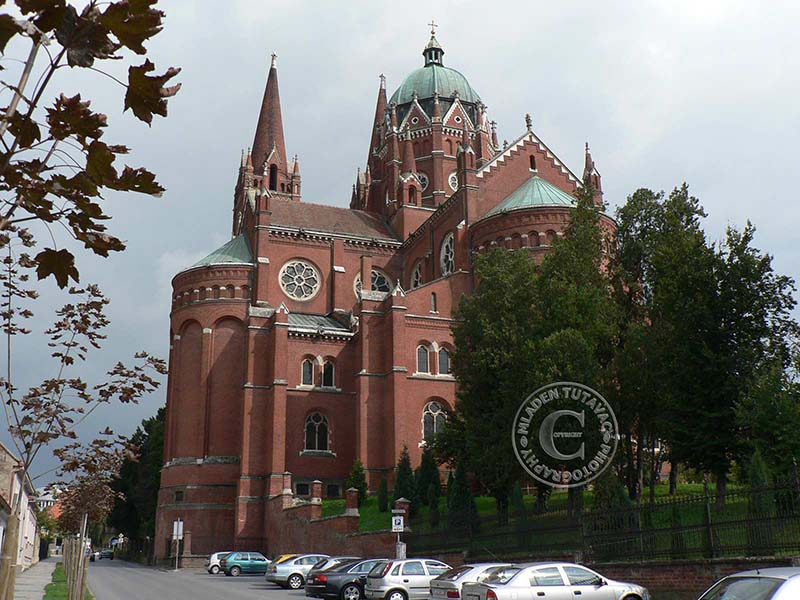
x=534, y=193
x=237, y=251
x=432, y=79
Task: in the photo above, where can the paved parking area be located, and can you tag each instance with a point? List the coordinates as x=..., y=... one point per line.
x=120, y=580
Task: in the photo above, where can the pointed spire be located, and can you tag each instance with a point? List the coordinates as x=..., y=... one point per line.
x=380, y=107
x=249, y=161
x=528, y=122
x=494, y=133
x=588, y=164
x=409, y=164
x=269, y=131
x=465, y=145
x=296, y=168
x=437, y=108
x=393, y=117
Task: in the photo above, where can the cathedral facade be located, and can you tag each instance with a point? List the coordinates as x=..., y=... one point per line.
x=321, y=335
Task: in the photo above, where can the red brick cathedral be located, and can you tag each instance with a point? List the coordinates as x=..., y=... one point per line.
x=320, y=335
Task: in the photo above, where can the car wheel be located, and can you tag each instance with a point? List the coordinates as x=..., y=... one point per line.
x=236, y=571
x=396, y=595
x=295, y=581
x=214, y=570
x=351, y=592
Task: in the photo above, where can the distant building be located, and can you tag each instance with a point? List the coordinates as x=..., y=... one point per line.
x=45, y=498
x=319, y=335
x=12, y=487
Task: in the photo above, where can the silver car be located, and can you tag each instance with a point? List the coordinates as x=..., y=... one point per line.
x=449, y=584
x=551, y=581
x=407, y=579
x=292, y=573
x=781, y=583
x=212, y=562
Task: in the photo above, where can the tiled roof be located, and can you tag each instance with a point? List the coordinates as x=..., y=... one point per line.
x=237, y=251
x=315, y=322
x=331, y=219
x=534, y=193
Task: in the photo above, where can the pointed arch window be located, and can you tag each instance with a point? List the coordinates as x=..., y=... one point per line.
x=423, y=360
x=307, y=372
x=444, y=361
x=328, y=374
x=433, y=420
x=273, y=177
x=380, y=282
x=447, y=256
x=416, y=275
x=317, y=432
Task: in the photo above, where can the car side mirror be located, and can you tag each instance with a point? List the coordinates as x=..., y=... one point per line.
x=601, y=581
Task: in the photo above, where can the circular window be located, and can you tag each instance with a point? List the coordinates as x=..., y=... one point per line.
x=447, y=256
x=453, y=181
x=423, y=180
x=300, y=280
x=457, y=119
x=414, y=120
x=380, y=282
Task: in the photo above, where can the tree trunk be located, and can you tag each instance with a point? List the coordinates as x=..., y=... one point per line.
x=722, y=489
x=673, y=477
x=655, y=465
x=8, y=562
x=631, y=466
x=639, y=468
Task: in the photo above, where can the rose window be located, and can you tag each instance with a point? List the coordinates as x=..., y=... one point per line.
x=299, y=280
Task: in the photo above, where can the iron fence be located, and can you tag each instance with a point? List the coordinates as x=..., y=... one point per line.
x=743, y=522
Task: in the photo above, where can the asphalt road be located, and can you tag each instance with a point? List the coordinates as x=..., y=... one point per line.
x=120, y=580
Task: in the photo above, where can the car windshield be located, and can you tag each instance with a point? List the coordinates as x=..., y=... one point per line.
x=377, y=570
x=344, y=566
x=743, y=588
x=222, y=555
x=502, y=575
x=321, y=564
x=454, y=574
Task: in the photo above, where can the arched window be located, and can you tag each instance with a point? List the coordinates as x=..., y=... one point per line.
x=434, y=304
x=317, y=432
x=416, y=275
x=273, y=177
x=533, y=162
x=328, y=379
x=307, y=376
x=412, y=195
x=423, y=362
x=380, y=282
x=447, y=256
x=433, y=420
x=444, y=361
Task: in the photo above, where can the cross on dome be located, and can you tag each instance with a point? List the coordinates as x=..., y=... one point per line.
x=433, y=25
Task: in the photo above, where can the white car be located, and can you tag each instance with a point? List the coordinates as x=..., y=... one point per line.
x=212, y=562
x=292, y=572
x=551, y=581
x=776, y=583
x=448, y=585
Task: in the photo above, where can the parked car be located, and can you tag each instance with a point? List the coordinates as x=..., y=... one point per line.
x=550, y=580
x=781, y=583
x=407, y=579
x=324, y=565
x=236, y=563
x=292, y=572
x=106, y=553
x=342, y=582
x=212, y=562
x=449, y=583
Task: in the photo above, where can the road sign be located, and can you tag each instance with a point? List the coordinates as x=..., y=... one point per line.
x=177, y=530
x=397, y=524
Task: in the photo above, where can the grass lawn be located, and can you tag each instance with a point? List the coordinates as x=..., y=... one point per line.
x=374, y=520
x=57, y=589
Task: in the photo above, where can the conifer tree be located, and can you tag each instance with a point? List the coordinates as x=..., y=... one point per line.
x=358, y=480
x=383, y=495
x=434, y=493
x=404, y=486
x=460, y=498
x=427, y=475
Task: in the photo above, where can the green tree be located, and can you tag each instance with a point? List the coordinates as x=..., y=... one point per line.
x=460, y=500
x=760, y=508
x=358, y=480
x=404, y=486
x=383, y=495
x=434, y=493
x=428, y=474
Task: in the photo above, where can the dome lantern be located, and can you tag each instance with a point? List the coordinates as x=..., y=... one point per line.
x=433, y=52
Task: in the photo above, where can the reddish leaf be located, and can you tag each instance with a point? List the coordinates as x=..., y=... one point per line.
x=25, y=130
x=146, y=94
x=70, y=116
x=58, y=263
x=133, y=22
x=84, y=38
x=8, y=29
x=100, y=164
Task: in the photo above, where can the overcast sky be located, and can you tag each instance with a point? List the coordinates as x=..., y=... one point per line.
x=699, y=91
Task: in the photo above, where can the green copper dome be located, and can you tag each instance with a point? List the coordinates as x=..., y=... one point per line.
x=235, y=252
x=534, y=193
x=431, y=79
x=434, y=78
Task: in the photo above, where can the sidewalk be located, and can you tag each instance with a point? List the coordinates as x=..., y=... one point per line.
x=30, y=584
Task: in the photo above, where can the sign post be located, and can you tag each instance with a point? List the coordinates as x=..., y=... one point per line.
x=177, y=535
x=398, y=526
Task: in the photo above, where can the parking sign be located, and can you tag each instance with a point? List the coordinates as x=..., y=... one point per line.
x=397, y=524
